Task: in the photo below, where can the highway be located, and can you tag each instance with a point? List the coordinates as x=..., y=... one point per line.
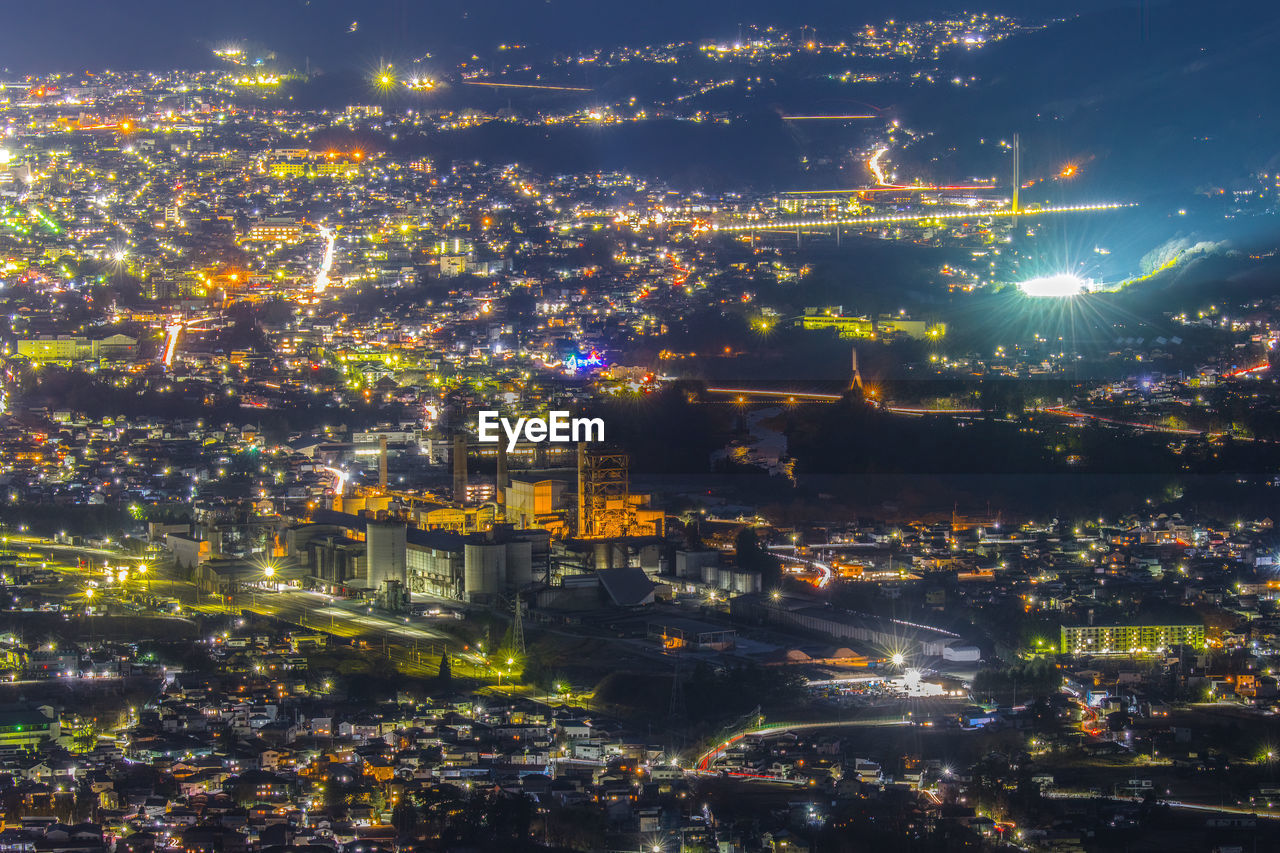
x=705, y=763
x=788, y=396
x=330, y=236
x=920, y=411
x=1252, y=811
x=524, y=86
x=1079, y=415
x=825, y=572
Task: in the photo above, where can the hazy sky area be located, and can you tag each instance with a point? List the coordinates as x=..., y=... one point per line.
x=73, y=34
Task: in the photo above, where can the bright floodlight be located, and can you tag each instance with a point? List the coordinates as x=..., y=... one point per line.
x=5, y=156
x=1056, y=286
x=898, y=659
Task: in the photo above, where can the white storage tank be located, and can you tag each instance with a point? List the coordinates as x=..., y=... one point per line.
x=484, y=570
x=711, y=574
x=384, y=552
x=746, y=581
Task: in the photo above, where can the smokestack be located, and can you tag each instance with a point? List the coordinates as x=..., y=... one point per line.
x=500, y=491
x=382, y=463
x=582, y=488
x=459, y=467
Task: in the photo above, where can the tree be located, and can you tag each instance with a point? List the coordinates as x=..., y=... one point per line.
x=576, y=827
x=445, y=675
x=693, y=536
x=749, y=555
x=404, y=817
x=535, y=671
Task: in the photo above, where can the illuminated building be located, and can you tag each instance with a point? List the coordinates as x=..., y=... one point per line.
x=340, y=169
x=68, y=349
x=530, y=502
x=275, y=229
x=300, y=163
x=288, y=170
x=343, y=552
x=866, y=327
x=63, y=349
x=25, y=728
x=453, y=265
x=1128, y=639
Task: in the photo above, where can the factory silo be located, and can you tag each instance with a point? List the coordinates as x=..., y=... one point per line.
x=385, y=551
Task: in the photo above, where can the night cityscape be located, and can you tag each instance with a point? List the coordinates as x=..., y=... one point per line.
x=700, y=428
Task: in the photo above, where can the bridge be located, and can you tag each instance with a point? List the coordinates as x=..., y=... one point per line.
x=783, y=396
x=496, y=85
x=922, y=219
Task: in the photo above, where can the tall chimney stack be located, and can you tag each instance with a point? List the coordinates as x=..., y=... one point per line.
x=459, y=467
x=382, y=463
x=582, y=488
x=500, y=492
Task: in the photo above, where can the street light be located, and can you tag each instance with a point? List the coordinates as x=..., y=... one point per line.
x=88, y=597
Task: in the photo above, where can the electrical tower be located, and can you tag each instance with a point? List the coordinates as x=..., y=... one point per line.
x=517, y=630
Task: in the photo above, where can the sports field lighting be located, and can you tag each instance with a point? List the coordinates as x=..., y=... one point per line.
x=1059, y=286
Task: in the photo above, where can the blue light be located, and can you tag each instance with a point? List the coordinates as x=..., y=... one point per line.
x=584, y=363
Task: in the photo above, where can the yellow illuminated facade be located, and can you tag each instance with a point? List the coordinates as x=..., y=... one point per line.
x=865, y=327
x=1128, y=639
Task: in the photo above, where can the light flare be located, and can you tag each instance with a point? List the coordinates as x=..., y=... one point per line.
x=1058, y=286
